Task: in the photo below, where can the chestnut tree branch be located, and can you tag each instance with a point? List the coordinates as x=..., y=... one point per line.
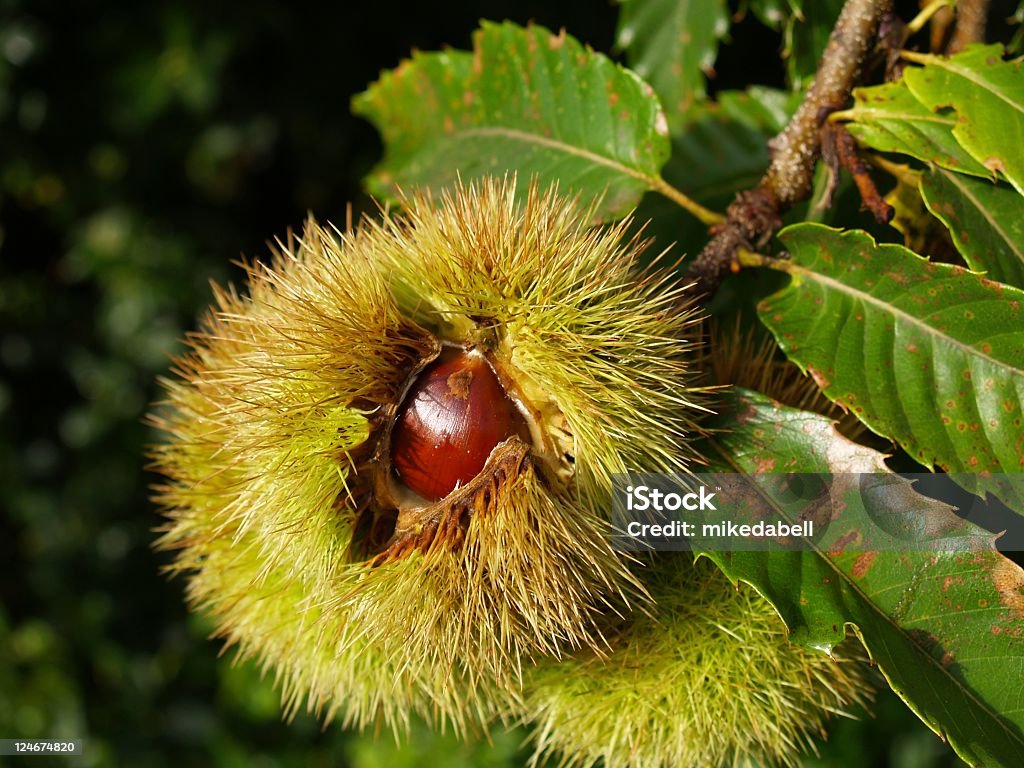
x=755, y=214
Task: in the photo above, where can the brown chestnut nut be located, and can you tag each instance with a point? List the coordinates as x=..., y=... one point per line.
x=453, y=416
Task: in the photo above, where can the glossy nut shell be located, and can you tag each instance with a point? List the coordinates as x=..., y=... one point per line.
x=453, y=416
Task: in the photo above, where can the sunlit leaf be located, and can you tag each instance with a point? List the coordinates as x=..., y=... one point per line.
x=889, y=118
x=929, y=355
x=524, y=100
x=987, y=94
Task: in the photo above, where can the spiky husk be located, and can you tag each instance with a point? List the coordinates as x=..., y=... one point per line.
x=751, y=359
x=709, y=680
x=274, y=417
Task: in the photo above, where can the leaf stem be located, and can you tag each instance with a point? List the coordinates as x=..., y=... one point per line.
x=917, y=57
x=705, y=215
x=916, y=24
x=748, y=259
x=842, y=115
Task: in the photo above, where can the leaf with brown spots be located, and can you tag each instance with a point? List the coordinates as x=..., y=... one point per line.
x=946, y=628
x=526, y=101
x=929, y=355
x=964, y=113
x=987, y=95
x=985, y=220
x=889, y=118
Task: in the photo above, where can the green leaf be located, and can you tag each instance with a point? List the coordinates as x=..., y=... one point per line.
x=945, y=627
x=672, y=44
x=524, y=100
x=987, y=94
x=889, y=118
x=806, y=36
x=985, y=220
x=929, y=355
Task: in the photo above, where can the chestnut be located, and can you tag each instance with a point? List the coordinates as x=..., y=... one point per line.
x=454, y=414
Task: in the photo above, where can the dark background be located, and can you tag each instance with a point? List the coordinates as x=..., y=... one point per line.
x=143, y=147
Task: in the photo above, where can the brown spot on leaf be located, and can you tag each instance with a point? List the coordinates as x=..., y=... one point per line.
x=840, y=544
x=863, y=564
x=819, y=378
x=995, y=164
x=1009, y=582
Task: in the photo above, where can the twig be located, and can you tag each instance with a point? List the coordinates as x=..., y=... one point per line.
x=839, y=150
x=755, y=214
x=971, y=16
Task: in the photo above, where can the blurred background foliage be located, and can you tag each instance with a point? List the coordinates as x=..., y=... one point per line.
x=143, y=147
